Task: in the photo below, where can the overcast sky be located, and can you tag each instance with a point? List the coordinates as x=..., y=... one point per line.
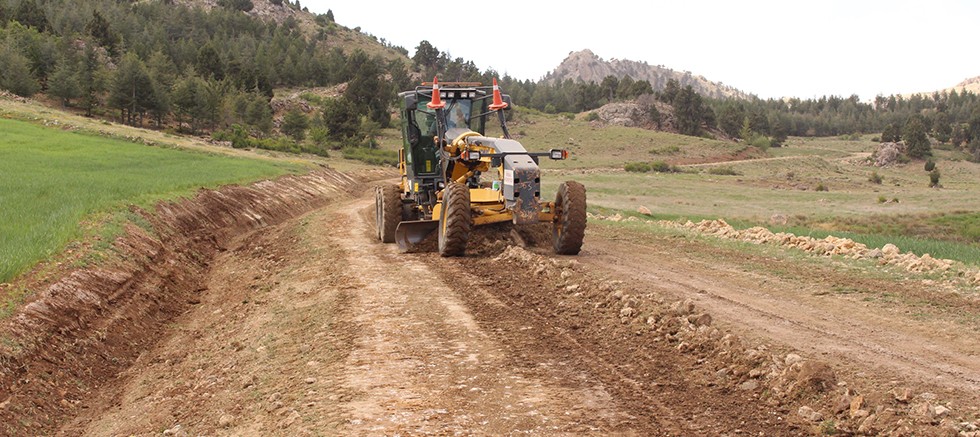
x=769, y=48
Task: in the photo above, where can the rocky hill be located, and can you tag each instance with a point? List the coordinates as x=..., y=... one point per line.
x=972, y=85
x=586, y=66
x=339, y=36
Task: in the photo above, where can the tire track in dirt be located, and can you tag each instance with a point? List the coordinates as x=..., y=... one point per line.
x=666, y=392
x=781, y=311
x=423, y=365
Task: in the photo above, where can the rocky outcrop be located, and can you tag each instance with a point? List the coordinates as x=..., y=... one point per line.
x=586, y=66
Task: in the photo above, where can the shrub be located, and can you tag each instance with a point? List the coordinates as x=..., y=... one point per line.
x=592, y=116
x=723, y=171
x=934, y=178
x=760, y=141
x=821, y=187
x=666, y=150
x=875, y=178
x=663, y=167
x=637, y=167
x=930, y=165
x=372, y=156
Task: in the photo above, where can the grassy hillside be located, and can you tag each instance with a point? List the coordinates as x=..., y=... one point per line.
x=52, y=180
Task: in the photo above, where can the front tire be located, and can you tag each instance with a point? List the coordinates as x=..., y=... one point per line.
x=390, y=212
x=569, y=227
x=455, y=220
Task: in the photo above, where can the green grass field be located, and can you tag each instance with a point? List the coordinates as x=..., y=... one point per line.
x=51, y=180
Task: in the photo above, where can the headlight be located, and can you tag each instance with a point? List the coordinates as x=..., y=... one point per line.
x=559, y=154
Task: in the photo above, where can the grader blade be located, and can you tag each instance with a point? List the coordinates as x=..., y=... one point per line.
x=413, y=232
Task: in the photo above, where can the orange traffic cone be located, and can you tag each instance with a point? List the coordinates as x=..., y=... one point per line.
x=436, y=102
x=498, y=102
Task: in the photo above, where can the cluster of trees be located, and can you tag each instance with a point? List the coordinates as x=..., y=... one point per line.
x=215, y=69
x=173, y=64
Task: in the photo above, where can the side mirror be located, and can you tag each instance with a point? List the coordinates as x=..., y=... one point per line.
x=411, y=101
x=506, y=99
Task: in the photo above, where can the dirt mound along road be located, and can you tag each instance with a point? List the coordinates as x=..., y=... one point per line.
x=78, y=332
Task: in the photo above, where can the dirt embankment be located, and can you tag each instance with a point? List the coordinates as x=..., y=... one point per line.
x=87, y=325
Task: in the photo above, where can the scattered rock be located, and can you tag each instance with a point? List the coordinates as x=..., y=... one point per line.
x=177, y=430
x=700, y=319
x=226, y=420
x=890, y=250
x=856, y=403
x=627, y=312
x=310, y=380
x=683, y=308
x=940, y=411
x=808, y=413
x=749, y=385
x=902, y=394
x=249, y=380
x=843, y=404
x=867, y=426
x=792, y=359
x=290, y=419
x=643, y=210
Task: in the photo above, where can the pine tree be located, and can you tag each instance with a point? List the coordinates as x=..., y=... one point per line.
x=426, y=56
x=91, y=78
x=342, y=121
x=916, y=141
x=891, y=134
x=941, y=127
x=15, y=74
x=63, y=82
x=30, y=14
x=294, y=124
x=100, y=30
x=209, y=62
x=688, y=110
x=133, y=91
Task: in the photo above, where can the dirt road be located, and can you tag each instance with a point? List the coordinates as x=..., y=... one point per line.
x=312, y=327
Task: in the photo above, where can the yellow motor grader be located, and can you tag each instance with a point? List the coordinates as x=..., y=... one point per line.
x=453, y=177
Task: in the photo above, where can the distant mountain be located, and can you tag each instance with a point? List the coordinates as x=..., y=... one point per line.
x=588, y=67
x=972, y=85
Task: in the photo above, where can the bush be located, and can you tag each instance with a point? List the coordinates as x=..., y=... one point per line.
x=372, y=156
x=637, y=167
x=723, y=171
x=882, y=199
x=930, y=165
x=821, y=187
x=759, y=141
x=875, y=178
x=666, y=150
x=240, y=139
x=934, y=178
x=592, y=116
x=663, y=167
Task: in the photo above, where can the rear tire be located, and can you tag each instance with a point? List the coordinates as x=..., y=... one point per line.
x=455, y=220
x=569, y=227
x=390, y=212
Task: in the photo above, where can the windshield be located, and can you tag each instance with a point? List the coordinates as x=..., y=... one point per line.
x=457, y=116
